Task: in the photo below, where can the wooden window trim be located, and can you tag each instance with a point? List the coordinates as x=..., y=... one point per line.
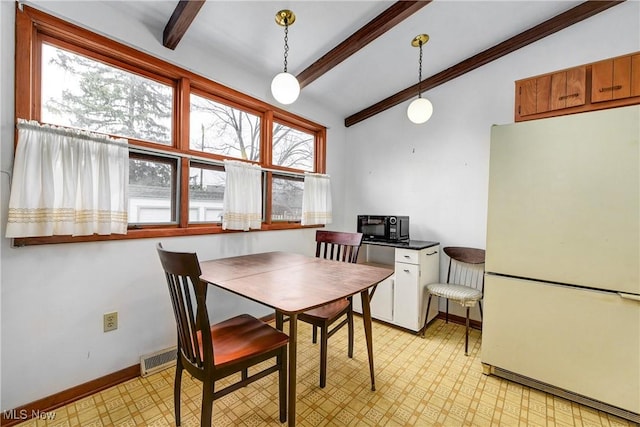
x=34, y=26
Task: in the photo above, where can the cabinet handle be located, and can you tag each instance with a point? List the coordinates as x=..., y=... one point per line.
x=616, y=87
x=432, y=253
x=573, y=95
x=407, y=256
x=407, y=271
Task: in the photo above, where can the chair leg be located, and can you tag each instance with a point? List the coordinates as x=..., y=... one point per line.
x=426, y=317
x=350, y=333
x=315, y=334
x=176, y=390
x=466, y=336
x=207, y=404
x=245, y=374
x=282, y=383
x=324, y=332
x=446, y=318
x=480, y=307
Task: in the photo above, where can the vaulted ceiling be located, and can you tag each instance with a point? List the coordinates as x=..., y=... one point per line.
x=356, y=56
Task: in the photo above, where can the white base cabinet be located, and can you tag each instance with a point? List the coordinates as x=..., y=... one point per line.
x=402, y=298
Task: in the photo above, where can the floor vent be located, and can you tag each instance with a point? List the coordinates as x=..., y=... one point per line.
x=152, y=363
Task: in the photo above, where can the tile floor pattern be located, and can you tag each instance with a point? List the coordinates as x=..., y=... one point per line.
x=420, y=382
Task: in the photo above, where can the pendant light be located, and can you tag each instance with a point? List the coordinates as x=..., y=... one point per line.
x=420, y=109
x=284, y=86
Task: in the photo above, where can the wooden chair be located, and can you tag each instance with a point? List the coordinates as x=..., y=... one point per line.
x=343, y=247
x=211, y=352
x=465, y=283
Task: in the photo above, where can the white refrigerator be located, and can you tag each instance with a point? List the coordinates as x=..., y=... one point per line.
x=562, y=285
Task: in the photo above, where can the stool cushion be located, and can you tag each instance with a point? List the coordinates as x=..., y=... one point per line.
x=464, y=295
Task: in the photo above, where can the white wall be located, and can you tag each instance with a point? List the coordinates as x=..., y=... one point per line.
x=53, y=296
x=437, y=172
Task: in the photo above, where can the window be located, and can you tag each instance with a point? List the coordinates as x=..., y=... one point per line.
x=206, y=191
x=83, y=93
x=287, y=198
x=292, y=148
x=152, y=190
x=180, y=128
x=221, y=129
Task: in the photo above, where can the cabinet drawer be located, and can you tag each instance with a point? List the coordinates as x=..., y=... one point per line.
x=408, y=256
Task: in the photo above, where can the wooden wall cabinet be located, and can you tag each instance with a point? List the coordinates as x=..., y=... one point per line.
x=614, y=82
x=550, y=92
x=615, y=78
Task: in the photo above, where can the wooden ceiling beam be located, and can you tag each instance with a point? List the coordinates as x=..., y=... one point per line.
x=181, y=18
x=553, y=25
x=382, y=23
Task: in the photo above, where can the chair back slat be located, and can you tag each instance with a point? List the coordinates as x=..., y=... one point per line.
x=466, y=266
x=188, y=298
x=338, y=246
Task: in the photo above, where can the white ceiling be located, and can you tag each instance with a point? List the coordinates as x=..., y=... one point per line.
x=245, y=32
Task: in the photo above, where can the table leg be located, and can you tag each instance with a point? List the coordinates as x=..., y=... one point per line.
x=293, y=332
x=366, y=317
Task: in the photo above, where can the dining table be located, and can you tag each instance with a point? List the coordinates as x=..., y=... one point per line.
x=293, y=283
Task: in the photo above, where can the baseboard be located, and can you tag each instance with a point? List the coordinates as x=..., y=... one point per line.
x=47, y=405
x=475, y=324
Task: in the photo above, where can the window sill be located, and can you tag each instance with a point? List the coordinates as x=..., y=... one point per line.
x=147, y=233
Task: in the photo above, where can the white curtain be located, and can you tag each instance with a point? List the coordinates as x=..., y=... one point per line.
x=67, y=182
x=316, y=199
x=242, y=206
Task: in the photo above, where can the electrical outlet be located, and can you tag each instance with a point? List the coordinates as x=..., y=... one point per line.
x=110, y=321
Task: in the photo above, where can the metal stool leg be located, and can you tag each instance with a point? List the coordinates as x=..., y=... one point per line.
x=466, y=336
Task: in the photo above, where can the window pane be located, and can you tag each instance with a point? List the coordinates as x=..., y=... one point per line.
x=80, y=92
x=220, y=129
x=151, y=191
x=286, y=202
x=293, y=148
x=206, y=192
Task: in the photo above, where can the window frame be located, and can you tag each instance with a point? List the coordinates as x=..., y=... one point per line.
x=34, y=27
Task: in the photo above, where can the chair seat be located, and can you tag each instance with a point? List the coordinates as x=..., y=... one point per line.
x=231, y=339
x=464, y=295
x=328, y=311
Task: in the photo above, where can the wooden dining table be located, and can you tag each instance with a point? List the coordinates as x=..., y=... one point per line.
x=293, y=283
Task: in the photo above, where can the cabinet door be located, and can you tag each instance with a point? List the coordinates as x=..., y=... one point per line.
x=408, y=297
x=534, y=95
x=527, y=92
x=635, y=75
x=611, y=79
x=381, y=303
x=568, y=88
x=576, y=87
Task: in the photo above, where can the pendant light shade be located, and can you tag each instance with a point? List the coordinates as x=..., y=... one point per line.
x=284, y=86
x=421, y=109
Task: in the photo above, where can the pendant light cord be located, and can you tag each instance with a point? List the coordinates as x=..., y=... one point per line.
x=286, y=43
x=419, y=72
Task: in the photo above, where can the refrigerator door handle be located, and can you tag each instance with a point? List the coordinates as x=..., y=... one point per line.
x=629, y=296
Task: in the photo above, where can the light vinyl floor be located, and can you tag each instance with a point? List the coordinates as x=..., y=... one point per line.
x=420, y=382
